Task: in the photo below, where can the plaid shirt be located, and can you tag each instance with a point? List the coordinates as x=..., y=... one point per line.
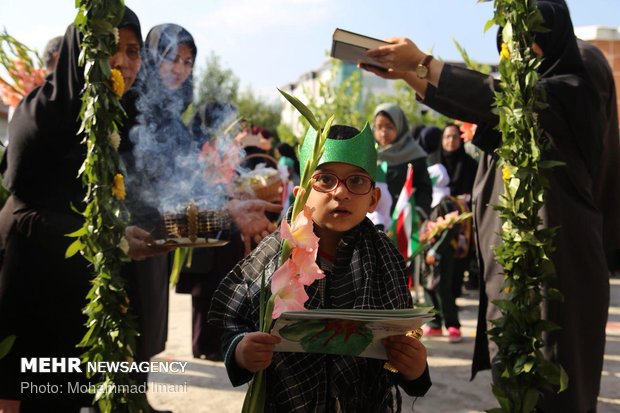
x=368, y=272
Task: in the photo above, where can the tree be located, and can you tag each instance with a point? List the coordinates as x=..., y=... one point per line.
x=216, y=83
x=353, y=104
x=257, y=111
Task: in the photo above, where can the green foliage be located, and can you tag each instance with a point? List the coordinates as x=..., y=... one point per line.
x=471, y=64
x=217, y=83
x=526, y=248
x=111, y=330
x=6, y=344
x=257, y=111
x=285, y=134
x=353, y=105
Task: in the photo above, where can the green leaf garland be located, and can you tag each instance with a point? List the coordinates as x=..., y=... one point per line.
x=111, y=330
x=526, y=246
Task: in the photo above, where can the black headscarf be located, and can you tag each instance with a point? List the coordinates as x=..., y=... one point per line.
x=209, y=118
x=460, y=166
x=163, y=41
x=45, y=153
x=573, y=114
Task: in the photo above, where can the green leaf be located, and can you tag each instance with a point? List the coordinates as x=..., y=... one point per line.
x=531, y=398
x=490, y=23
x=6, y=344
x=303, y=109
x=78, y=233
x=563, y=380
x=73, y=248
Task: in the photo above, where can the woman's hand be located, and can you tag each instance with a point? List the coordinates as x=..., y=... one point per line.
x=249, y=216
x=140, y=244
x=255, y=351
x=407, y=354
x=401, y=56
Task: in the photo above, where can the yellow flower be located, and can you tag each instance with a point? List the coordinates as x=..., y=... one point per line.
x=118, y=188
x=506, y=175
x=505, y=53
x=114, y=139
x=508, y=288
x=118, y=83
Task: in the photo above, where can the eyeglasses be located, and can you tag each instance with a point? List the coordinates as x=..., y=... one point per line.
x=328, y=182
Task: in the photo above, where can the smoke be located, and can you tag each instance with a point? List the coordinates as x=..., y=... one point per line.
x=174, y=165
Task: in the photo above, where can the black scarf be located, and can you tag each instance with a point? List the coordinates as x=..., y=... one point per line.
x=45, y=152
x=371, y=270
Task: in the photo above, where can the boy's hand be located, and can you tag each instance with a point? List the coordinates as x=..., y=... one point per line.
x=255, y=351
x=407, y=354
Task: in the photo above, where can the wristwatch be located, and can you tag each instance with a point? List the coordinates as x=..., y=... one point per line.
x=421, y=69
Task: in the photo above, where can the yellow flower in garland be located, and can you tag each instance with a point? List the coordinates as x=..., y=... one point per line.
x=118, y=188
x=506, y=175
x=118, y=83
x=505, y=53
x=508, y=288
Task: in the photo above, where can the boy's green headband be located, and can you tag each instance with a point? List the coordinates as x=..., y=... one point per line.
x=358, y=151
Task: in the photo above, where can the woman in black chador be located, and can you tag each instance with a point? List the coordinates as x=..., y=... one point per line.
x=42, y=293
x=573, y=123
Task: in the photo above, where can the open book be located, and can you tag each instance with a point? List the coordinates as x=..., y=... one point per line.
x=351, y=47
x=346, y=332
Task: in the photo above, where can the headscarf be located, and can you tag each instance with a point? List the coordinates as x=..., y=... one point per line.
x=461, y=167
x=209, y=118
x=404, y=148
x=162, y=41
x=45, y=152
x=430, y=138
x=564, y=79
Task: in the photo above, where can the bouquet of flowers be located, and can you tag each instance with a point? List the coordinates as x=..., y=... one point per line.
x=297, y=265
x=24, y=67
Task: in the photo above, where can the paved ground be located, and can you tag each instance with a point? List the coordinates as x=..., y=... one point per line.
x=205, y=387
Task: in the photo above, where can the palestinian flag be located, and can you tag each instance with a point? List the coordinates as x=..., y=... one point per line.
x=404, y=230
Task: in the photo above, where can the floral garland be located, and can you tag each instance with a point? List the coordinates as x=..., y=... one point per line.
x=526, y=247
x=111, y=328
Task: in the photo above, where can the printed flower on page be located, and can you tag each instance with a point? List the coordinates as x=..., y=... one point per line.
x=289, y=293
x=300, y=233
x=118, y=83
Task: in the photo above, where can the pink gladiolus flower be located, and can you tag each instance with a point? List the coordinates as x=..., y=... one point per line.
x=307, y=268
x=289, y=293
x=8, y=96
x=220, y=167
x=300, y=234
x=434, y=228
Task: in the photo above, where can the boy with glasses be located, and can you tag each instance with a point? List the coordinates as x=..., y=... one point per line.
x=363, y=271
